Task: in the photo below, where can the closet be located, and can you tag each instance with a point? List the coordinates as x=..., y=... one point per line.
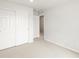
x=16, y=24
x=7, y=28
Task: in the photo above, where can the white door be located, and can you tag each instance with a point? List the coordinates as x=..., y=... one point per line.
x=7, y=29
x=21, y=28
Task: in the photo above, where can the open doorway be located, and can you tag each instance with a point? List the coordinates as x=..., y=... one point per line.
x=42, y=27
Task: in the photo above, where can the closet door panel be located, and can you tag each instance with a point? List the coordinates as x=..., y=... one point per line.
x=7, y=28
x=21, y=28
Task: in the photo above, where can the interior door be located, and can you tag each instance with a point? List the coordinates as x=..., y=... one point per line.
x=7, y=28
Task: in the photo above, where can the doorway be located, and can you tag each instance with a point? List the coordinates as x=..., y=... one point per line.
x=42, y=27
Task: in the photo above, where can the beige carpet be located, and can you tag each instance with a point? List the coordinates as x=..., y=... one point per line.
x=38, y=49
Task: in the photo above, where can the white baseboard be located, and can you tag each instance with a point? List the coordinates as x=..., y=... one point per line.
x=68, y=48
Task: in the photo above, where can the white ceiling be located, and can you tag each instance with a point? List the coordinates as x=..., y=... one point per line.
x=41, y=4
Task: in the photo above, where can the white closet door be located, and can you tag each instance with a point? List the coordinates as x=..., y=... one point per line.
x=7, y=29
x=21, y=28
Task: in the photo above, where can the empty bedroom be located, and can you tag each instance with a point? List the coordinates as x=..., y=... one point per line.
x=39, y=28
